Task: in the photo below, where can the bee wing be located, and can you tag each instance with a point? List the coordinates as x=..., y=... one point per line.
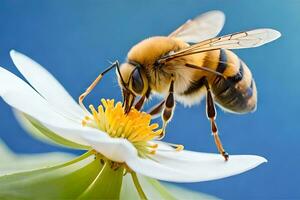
x=205, y=26
x=240, y=40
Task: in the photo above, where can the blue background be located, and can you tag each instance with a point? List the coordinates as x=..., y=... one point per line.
x=75, y=39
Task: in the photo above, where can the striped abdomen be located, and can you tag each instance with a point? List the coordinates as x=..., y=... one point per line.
x=236, y=92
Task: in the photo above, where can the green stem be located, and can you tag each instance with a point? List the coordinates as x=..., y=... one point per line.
x=138, y=186
x=94, y=182
x=75, y=160
x=106, y=185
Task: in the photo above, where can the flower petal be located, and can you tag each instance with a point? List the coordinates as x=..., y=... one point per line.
x=40, y=131
x=188, y=166
x=22, y=97
x=116, y=149
x=46, y=84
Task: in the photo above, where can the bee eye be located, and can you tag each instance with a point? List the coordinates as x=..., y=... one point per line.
x=137, y=81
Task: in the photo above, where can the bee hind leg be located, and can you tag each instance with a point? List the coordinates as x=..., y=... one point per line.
x=211, y=115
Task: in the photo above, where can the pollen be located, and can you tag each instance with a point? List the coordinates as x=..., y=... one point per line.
x=135, y=126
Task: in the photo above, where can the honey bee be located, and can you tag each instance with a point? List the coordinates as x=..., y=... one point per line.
x=189, y=64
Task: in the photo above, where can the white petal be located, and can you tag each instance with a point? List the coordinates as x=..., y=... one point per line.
x=187, y=166
x=22, y=97
x=116, y=149
x=46, y=84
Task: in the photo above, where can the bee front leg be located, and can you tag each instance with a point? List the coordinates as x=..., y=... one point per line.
x=94, y=83
x=211, y=115
x=169, y=105
x=140, y=103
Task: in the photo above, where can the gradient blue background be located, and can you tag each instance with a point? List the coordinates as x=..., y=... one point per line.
x=75, y=39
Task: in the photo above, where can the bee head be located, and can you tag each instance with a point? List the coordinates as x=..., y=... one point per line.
x=133, y=82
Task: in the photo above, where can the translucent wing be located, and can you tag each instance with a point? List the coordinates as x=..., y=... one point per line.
x=205, y=26
x=240, y=40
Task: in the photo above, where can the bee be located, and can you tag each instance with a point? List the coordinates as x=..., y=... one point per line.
x=189, y=64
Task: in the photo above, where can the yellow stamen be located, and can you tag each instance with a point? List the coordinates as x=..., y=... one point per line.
x=95, y=114
x=84, y=123
x=152, y=152
x=135, y=126
x=154, y=146
x=179, y=147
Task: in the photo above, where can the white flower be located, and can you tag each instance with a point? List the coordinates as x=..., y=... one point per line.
x=48, y=103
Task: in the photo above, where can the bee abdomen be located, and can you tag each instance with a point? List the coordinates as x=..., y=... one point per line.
x=195, y=86
x=236, y=93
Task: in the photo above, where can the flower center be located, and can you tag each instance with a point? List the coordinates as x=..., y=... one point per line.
x=134, y=126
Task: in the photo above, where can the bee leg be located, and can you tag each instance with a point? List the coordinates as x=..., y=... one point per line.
x=94, y=83
x=211, y=115
x=156, y=110
x=168, y=109
x=140, y=103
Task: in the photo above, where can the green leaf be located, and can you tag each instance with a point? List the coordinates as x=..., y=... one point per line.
x=37, y=130
x=83, y=177
x=11, y=163
x=67, y=180
x=107, y=185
